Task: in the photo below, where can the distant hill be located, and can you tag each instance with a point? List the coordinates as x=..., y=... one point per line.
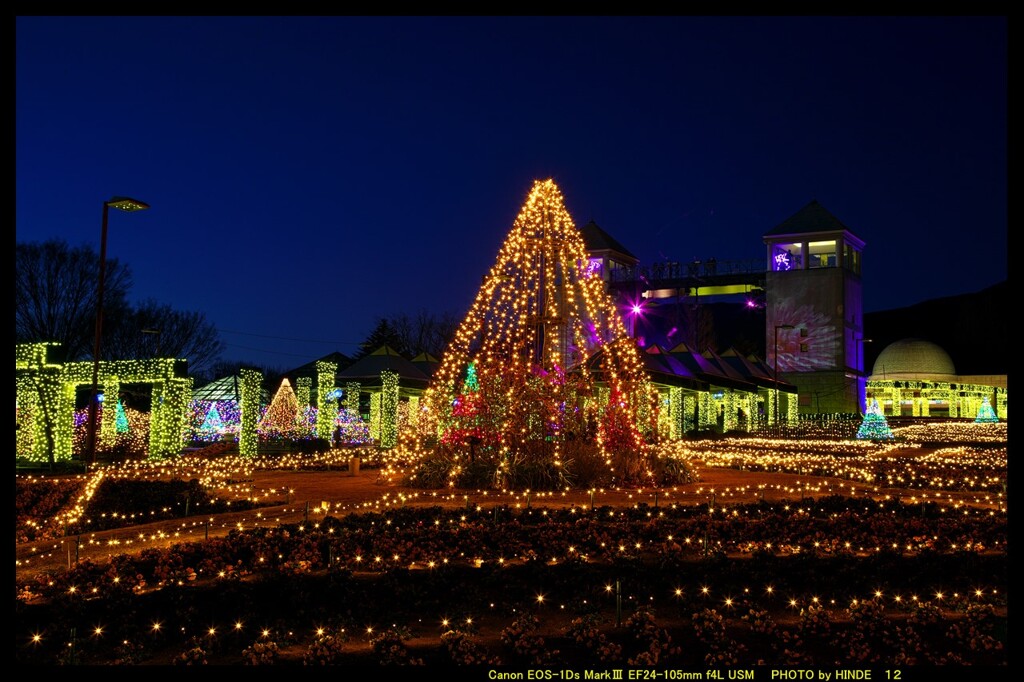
x=972, y=328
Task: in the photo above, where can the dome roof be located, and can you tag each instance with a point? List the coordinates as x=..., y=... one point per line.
x=913, y=359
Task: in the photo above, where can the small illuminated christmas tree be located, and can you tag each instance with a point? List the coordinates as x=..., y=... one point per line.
x=471, y=383
x=282, y=415
x=541, y=364
x=874, y=426
x=986, y=415
x=120, y=418
x=212, y=425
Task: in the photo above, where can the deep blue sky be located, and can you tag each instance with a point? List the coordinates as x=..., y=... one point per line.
x=310, y=174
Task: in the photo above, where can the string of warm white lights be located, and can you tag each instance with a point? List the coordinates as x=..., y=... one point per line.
x=955, y=478
x=523, y=370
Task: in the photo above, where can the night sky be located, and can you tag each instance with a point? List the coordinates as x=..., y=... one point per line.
x=307, y=175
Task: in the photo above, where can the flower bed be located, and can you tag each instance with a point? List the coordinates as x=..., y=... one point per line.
x=760, y=585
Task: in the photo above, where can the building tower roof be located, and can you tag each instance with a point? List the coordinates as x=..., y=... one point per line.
x=597, y=240
x=811, y=219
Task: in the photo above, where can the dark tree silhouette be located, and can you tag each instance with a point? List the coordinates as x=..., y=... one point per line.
x=55, y=301
x=425, y=332
x=157, y=330
x=383, y=334
x=55, y=295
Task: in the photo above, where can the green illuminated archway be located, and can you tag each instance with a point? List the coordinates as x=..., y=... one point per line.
x=45, y=394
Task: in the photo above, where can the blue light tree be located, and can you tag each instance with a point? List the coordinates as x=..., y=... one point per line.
x=874, y=426
x=121, y=419
x=212, y=425
x=986, y=415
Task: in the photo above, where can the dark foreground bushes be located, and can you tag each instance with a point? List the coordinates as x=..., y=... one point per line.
x=763, y=584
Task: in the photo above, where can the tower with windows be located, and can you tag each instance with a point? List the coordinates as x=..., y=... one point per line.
x=814, y=331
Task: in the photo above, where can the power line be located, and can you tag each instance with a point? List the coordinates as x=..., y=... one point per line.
x=286, y=338
x=269, y=352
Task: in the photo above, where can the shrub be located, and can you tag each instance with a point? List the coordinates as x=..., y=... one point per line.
x=390, y=649
x=326, y=649
x=260, y=653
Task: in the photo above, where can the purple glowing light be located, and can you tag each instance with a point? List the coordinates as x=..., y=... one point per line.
x=783, y=261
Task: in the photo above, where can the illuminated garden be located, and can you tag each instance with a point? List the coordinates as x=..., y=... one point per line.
x=540, y=504
x=825, y=552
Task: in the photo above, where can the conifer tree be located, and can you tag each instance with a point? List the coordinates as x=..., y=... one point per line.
x=383, y=334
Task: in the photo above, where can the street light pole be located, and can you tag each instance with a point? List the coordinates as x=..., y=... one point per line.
x=157, y=333
x=123, y=204
x=776, y=363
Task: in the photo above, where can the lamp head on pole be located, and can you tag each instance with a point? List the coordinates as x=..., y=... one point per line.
x=127, y=204
x=122, y=204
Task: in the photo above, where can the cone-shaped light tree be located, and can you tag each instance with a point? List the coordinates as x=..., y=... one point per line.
x=282, y=415
x=121, y=419
x=212, y=425
x=874, y=426
x=542, y=373
x=986, y=415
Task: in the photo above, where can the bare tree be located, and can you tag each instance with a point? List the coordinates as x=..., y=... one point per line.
x=426, y=332
x=55, y=300
x=55, y=295
x=157, y=330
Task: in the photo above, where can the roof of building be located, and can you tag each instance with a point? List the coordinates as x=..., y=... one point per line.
x=694, y=361
x=596, y=239
x=726, y=368
x=225, y=388
x=309, y=369
x=711, y=368
x=665, y=368
x=811, y=218
x=913, y=359
x=340, y=360
x=368, y=369
x=426, y=363
x=751, y=370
